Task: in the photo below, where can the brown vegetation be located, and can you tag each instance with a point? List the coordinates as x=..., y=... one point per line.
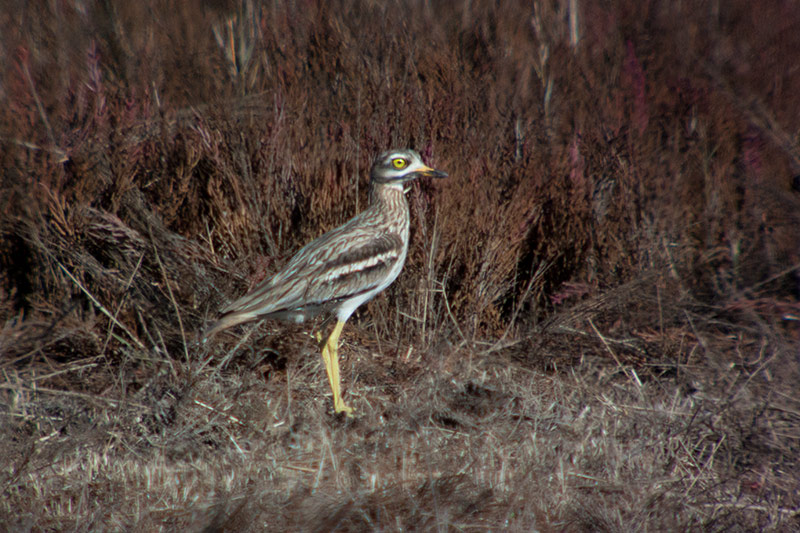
x=596, y=329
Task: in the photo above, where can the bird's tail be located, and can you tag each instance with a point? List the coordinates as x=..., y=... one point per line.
x=227, y=321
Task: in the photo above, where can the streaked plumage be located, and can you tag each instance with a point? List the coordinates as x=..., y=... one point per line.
x=345, y=267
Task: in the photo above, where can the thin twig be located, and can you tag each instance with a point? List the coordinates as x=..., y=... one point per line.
x=73, y=394
x=215, y=410
x=540, y=271
x=121, y=301
x=453, y=318
x=171, y=299
x=605, y=343
x=752, y=507
x=39, y=106
x=64, y=371
x=100, y=306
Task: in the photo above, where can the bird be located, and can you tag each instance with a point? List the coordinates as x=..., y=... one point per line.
x=344, y=268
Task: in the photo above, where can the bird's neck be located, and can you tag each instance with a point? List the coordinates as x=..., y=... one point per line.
x=387, y=196
x=388, y=208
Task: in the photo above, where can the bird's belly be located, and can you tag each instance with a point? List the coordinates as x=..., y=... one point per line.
x=349, y=306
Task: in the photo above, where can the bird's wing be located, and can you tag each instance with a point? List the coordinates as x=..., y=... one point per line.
x=343, y=262
x=357, y=265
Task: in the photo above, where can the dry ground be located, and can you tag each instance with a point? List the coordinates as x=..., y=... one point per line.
x=596, y=329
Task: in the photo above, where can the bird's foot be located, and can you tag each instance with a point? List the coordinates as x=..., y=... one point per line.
x=346, y=409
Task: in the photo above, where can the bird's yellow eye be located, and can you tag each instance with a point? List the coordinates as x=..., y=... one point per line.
x=399, y=163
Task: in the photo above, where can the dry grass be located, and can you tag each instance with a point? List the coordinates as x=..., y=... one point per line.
x=596, y=330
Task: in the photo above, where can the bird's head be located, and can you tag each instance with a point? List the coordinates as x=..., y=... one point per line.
x=400, y=166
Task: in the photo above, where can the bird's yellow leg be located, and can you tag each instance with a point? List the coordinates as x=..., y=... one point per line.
x=330, y=356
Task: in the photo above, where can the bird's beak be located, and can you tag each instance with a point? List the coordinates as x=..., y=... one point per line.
x=429, y=172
